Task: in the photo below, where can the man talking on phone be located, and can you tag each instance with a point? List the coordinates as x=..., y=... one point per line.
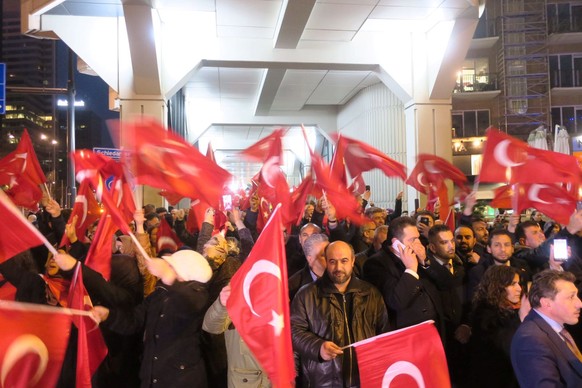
x=401, y=271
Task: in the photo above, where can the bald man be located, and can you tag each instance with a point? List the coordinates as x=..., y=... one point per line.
x=336, y=310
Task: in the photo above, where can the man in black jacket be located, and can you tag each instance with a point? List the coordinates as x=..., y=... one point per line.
x=335, y=311
x=403, y=274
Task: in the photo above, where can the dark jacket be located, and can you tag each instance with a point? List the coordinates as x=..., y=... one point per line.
x=540, y=358
x=409, y=300
x=317, y=316
x=490, y=362
x=171, y=319
x=486, y=261
x=298, y=280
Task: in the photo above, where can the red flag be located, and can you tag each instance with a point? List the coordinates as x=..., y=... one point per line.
x=507, y=159
x=162, y=159
x=274, y=188
x=117, y=199
x=405, y=361
x=33, y=344
x=360, y=157
x=267, y=147
x=167, y=238
x=358, y=185
x=429, y=175
x=31, y=165
x=16, y=233
x=259, y=304
x=87, y=211
x=24, y=192
x=210, y=153
x=299, y=197
x=101, y=248
x=338, y=166
x=337, y=194
x=7, y=290
x=171, y=197
x=91, y=348
x=196, y=216
x=551, y=199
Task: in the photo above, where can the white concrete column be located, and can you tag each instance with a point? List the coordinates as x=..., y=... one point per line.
x=428, y=131
x=130, y=110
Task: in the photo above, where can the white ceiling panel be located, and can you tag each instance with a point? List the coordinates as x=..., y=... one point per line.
x=406, y=13
x=328, y=35
x=236, y=75
x=345, y=16
x=245, y=32
x=253, y=13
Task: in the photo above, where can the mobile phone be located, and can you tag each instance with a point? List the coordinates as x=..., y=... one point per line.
x=227, y=202
x=560, y=249
x=367, y=187
x=424, y=220
x=397, y=245
x=579, y=205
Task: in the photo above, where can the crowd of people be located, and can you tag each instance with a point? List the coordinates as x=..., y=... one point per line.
x=506, y=310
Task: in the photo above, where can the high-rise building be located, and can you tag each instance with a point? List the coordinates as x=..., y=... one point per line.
x=30, y=63
x=522, y=74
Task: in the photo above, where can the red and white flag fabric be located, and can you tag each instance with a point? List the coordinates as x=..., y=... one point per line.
x=22, y=161
x=167, y=238
x=101, y=249
x=398, y=359
x=32, y=345
x=16, y=233
x=87, y=211
x=360, y=157
x=91, y=347
x=259, y=304
x=266, y=148
x=510, y=160
x=24, y=192
x=551, y=199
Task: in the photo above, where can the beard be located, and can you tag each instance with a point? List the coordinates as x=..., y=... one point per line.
x=340, y=277
x=464, y=248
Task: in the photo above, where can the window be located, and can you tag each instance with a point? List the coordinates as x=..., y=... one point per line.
x=566, y=70
x=564, y=17
x=470, y=123
x=568, y=116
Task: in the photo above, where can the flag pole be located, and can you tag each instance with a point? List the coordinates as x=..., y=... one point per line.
x=21, y=306
x=138, y=246
x=12, y=209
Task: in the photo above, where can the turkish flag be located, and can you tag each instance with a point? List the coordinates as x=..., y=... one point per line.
x=551, y=199
x=210, y=153
x=117, y=199
x=31, y=166
x=91, y=347
x=101, y=248
x=335, y=192
x=171, y=197
x=162, y=159
x=338, y=166
x=358, y=185
x=299, y=197
x=502, y=197
x=16, y=233
x=360, y=157
x=273, y=186
x=24, y=192
x=266, y=148
x=196, y=216
x=87, y=211
x=33, y=344
x=167, y=238
x=259, y=304
x=405, y=360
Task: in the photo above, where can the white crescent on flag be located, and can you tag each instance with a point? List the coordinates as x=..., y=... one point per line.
x=500, y=154
x=534, y=193
x=403, y=368
x=20, y=347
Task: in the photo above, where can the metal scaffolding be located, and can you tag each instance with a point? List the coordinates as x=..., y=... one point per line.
x=522, y=63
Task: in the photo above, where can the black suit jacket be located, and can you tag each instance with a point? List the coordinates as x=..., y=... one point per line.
x=540, y=357
x=409, y=300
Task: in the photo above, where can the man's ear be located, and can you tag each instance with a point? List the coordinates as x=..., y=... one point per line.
x=432, y=247
x=488, y=248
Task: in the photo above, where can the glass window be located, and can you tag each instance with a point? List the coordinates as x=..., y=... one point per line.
x=552, y=18
x=576, y=18
x=470, y=123
x=482, y=122
x=564, y=17
x=554, y=71
x=566, y=71
x=457, y=124
x=568, y=118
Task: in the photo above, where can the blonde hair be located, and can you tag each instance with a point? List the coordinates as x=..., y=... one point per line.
x=216, y=249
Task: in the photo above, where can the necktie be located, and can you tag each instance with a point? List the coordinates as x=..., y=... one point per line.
x=449, y=266
x=571, y=344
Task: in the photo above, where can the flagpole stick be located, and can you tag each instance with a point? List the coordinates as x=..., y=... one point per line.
x=47, y=191
x=10, y=304
x=12, y=209
x=139, y=247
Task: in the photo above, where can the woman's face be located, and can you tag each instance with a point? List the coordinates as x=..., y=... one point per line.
x=514, y=291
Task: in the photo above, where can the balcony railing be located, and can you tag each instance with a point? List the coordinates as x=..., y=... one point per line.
x=566, y=78
x=563, y=26
x=482, y=82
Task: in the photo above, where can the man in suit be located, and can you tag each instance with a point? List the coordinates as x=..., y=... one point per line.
x=314, y=249
x=401, y=271
x=543, y=353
